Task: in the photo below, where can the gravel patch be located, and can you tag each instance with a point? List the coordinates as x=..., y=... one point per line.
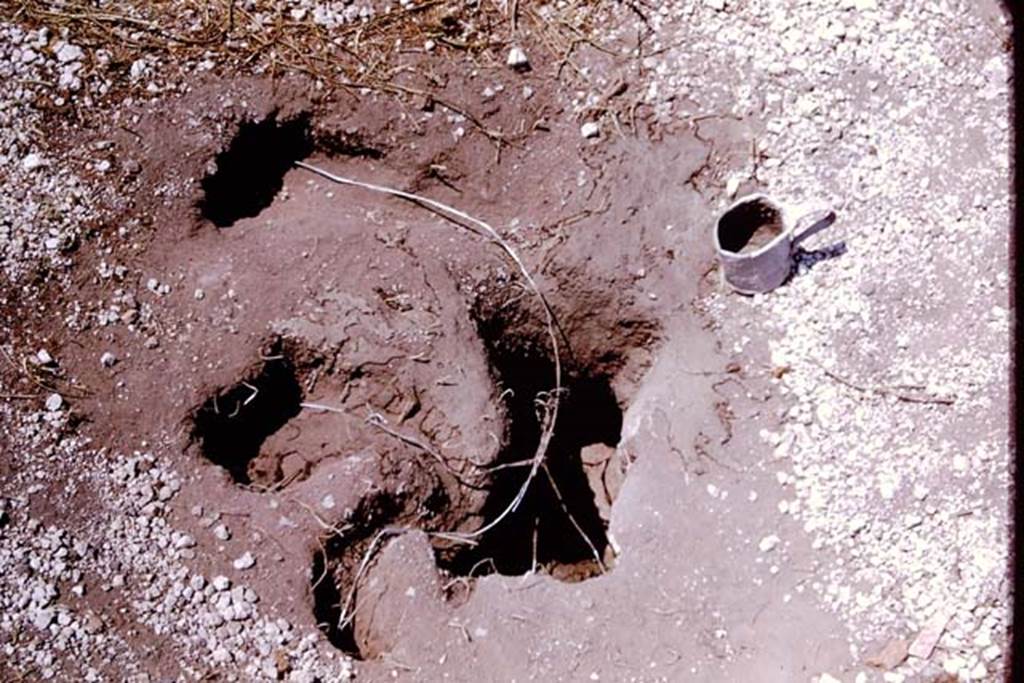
x=891, y=343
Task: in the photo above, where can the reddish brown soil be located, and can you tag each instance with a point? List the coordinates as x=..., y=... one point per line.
x=429, y=351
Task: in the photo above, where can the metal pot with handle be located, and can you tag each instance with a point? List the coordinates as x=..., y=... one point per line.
x=755, y=241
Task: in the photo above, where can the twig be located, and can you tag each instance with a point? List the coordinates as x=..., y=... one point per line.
x=323, y=408
x=888, y=391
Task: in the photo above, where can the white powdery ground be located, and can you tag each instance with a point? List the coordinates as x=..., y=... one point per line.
x=899, y=120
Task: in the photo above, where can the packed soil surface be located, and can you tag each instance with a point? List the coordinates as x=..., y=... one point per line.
x=351, y=340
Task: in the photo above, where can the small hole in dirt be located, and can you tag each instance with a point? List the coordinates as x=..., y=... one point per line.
x=335, y=566
x=232, y=425
x=250, y=172
x=749, y=226
x=327, y=603
x=540, y=535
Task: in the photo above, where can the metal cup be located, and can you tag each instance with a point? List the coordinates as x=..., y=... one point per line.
x=755, y=241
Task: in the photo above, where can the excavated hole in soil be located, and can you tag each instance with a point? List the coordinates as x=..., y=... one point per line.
x=539, y=536
x=341, y=556
x=250, y=172
x=231, y=426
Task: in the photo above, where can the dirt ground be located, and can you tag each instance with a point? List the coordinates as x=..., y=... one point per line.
x=482, y=406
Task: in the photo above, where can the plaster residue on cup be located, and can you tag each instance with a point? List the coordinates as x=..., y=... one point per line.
x=750, y=226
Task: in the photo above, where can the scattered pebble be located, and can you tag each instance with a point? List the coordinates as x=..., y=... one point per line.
x=590, y=129
x=246, y=561
x=32, y=161
x=54, y=402
x=517, y=59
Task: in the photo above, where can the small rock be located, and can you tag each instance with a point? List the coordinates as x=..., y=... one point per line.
x=151, y=342
x=246, y=561
x=926, y=640
x=184, y=541
x=92, y=623
x=42, y=619
x=590, y=129
x=199, y=294
x=32, y=161
x=768, y=543
x=719, y=5
x=327, y=502
x=732, y=186
x=43, y=357
x=891, y=655
x=69, y=53
x=54, y=402
x=108, y=359
x=952, y=665
x=828, y=678
x=517, y=59
x=222, y=532
x=220, y=583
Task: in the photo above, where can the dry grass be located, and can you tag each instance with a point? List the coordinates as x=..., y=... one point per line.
x=385, y=51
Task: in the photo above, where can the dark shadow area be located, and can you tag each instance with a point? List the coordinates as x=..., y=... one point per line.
x=327, y=604
x=231, y=426
x=540, y=535
x=250, y=172
x=336, y=565
x=808, y=258
x=749, y=226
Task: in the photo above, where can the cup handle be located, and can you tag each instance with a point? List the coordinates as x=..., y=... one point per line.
x=811, y=224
